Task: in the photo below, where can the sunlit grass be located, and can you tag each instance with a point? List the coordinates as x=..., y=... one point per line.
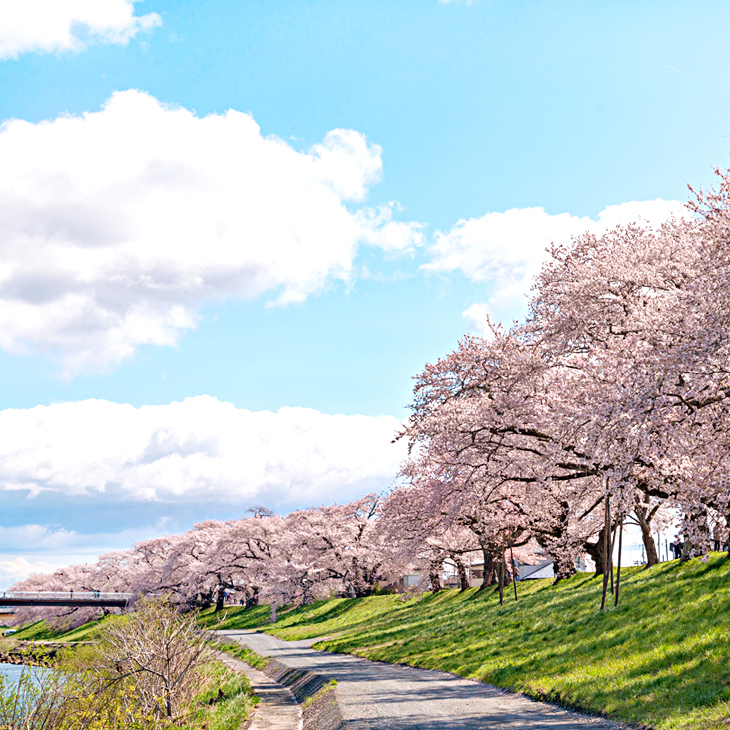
x=661, y=658
x=244, y=654
x=225, y=700
x=41, y=631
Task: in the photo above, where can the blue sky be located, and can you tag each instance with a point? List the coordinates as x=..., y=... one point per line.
x=458, y=112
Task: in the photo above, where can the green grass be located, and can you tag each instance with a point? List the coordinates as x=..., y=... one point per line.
x=244, y=654
x=235, y=618
x=40, y=631
x=661, y=658
x=228, y=712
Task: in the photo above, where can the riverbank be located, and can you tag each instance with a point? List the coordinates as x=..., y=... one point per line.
x=152, y=664
x=32, y=653
x=225, y=698
x=40, y=631
x=661, y=659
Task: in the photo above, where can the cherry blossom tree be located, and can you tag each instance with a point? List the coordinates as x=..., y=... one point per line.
x=340, y=547
x=614, y=392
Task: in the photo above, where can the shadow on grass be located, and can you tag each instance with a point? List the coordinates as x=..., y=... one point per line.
x=661, y=657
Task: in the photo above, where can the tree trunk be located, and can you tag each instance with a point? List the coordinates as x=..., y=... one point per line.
x=514, y=570
x=488, y=577
x=607, y=547
x=219, y=599
x=610, y=554
x=620, y=546
x=434, y=573
x=597, y=551
x=563, y=567
x=649, y=545
x=463, y=576
x=253, y=599
x=501, y=577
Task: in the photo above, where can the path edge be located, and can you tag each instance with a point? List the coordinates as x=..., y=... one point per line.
x=314, y=691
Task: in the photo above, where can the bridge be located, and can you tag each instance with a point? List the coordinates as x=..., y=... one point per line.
x=14, y=599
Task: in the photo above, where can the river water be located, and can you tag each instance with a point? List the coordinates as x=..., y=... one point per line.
x=11, y=673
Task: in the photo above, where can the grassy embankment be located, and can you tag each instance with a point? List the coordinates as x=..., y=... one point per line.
x=40, y=631
x=661, y=658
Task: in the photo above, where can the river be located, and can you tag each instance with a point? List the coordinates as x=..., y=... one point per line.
x=11, y=672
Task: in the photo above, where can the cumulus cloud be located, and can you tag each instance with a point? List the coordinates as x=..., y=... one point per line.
x=116, y=226
x=198, y=449
x=507, y=249
x=17, y=568
x=64, y=25
x=27, y=549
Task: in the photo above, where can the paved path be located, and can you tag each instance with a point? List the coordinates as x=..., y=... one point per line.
x=277, y=710
x=374, y=695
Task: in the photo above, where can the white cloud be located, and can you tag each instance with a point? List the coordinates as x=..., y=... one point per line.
x=14, y=569
x=41, y=538
x=26, y=549
x=35, y=537
x=200, y=449
x=507, y=249
x=63, y=25
x=116, y=226
x=477, y=317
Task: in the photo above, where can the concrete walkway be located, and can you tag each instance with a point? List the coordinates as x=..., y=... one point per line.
x=277, y=710
x=374, y=695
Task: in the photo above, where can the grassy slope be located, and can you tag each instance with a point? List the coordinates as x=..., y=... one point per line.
x=40, y=631
x=661, y=658
x=229, y=712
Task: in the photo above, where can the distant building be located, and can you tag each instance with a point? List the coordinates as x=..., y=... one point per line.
x=402, y=584
x=525, y=571
x=544, y=569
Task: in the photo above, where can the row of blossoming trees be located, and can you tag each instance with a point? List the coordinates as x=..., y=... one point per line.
x=609, y=404
x=265, y=557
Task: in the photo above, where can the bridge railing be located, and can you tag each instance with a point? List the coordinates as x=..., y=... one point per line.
x=64, y=595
